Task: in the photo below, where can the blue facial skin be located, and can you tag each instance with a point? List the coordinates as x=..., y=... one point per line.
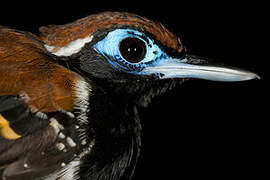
x=109, y=48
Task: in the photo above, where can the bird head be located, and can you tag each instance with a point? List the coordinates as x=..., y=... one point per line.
x=130, y=55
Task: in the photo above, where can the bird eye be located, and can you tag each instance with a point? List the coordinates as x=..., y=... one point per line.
x=132, y=49
x=129, y=50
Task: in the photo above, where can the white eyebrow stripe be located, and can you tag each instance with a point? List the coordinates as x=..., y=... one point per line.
x=71, y=48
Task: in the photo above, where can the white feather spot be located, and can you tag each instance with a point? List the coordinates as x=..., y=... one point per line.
x=41, y=115
x=63, y=164
x=56, y=125
x=71, y=115
x=70, y=142
x=60, y=146
x=61, y=135
x=71, y=48
x=83, y=142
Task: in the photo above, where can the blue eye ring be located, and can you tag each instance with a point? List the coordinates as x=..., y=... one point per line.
x=109, y=48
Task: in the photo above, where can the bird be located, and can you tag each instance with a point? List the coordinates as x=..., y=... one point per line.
x=69, y=96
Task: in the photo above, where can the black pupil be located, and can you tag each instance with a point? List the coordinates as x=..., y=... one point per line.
x=132, y=49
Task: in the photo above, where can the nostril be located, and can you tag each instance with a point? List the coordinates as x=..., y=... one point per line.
x=192, y=59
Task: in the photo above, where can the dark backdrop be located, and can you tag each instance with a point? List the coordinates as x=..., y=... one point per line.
x=200, y=129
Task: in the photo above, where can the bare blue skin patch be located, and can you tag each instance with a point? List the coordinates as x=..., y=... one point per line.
x=109, y=48
x=157, y=62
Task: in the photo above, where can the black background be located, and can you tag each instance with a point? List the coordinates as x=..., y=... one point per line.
x=200, y=129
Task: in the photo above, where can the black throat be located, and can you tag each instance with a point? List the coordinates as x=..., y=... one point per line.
x=115, y=126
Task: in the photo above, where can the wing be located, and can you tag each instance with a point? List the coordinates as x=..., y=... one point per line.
x=37, y=126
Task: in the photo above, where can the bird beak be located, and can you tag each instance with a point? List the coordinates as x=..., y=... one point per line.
x=195, y=67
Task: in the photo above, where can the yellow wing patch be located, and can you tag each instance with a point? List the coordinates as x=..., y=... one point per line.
x=6, y=131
